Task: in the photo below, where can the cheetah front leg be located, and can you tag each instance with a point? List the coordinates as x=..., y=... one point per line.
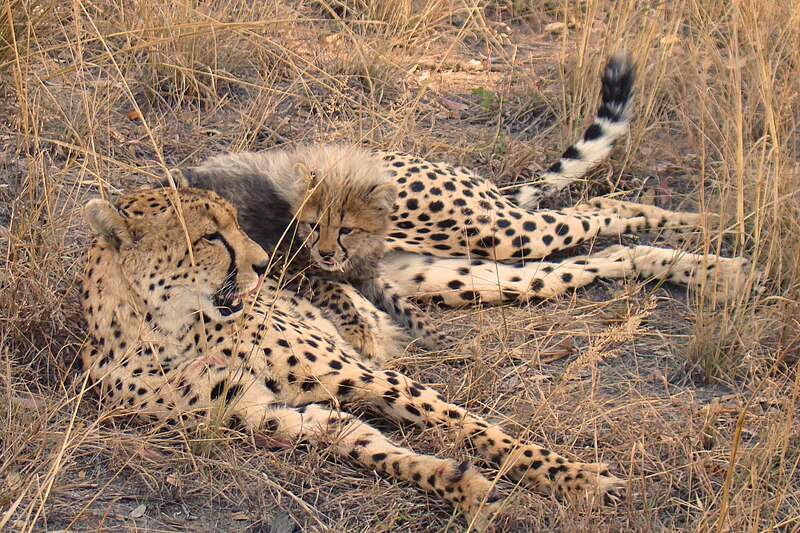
x=716, y=278
x=458, y=483
x=338, y=307
x=220, y=387
x=407, y=401
x=389, y=299
x=457, y=282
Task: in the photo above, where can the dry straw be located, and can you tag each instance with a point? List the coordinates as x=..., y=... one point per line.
x=695, y=404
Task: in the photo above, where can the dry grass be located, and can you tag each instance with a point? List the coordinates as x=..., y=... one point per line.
x=696, y=405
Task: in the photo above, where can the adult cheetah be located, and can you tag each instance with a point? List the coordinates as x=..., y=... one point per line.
x=455, y=238
x=184, y=325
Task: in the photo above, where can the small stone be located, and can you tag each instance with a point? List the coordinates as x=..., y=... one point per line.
x=139, y=511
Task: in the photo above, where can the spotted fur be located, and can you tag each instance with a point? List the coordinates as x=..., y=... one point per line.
x=489, y=250
x=183, y=325
x=457, y=239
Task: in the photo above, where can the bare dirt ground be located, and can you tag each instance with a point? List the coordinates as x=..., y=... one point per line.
x=695, y=404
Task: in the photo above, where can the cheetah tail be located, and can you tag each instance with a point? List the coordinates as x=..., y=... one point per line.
x=611, y=122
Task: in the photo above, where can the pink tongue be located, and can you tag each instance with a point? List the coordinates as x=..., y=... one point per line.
x=258, y=286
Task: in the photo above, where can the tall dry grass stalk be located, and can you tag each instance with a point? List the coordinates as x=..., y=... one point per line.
x=100, y=96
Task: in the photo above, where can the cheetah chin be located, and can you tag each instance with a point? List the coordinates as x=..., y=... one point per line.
x=228, y=303
x=331, y=265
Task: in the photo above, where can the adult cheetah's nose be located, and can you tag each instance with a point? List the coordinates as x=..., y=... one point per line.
x=326, y=255
x=261, y=269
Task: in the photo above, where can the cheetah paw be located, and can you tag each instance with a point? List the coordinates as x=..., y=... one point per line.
x=366, y=344
x=732, y=278
x=437, y=341
x=598, y=481
x=475, y=497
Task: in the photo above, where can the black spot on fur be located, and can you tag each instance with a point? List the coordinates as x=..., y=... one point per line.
x=488, y=242
x=230, y=393
x=272, y=385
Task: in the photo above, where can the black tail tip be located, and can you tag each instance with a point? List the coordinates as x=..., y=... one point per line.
x=618, y=79
x=619, y=67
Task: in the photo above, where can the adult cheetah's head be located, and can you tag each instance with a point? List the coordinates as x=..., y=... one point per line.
x=343, y=213
x=178, y=251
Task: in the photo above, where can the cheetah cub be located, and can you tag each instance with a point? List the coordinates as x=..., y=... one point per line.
x=325, y=211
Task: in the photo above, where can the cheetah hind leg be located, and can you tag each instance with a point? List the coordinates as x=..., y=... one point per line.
x=631, y=217
x=458, y=282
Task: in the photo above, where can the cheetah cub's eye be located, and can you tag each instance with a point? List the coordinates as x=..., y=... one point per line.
x=345, y=231
x=215, y=236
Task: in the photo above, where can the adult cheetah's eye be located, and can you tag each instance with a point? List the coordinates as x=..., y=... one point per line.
x=345, y=231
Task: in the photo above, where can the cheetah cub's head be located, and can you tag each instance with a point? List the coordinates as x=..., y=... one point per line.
x=343, y=203
x=178, y=252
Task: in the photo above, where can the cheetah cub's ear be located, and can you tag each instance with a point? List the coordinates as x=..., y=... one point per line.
x=383, y=196
x=107, y=223
x=306, y=173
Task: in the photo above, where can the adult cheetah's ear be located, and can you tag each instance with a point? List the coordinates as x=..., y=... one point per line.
x=383, y=196
x=107, y=223
x=181, y=176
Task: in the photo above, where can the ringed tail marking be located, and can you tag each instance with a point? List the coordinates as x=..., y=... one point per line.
x=611, y=122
